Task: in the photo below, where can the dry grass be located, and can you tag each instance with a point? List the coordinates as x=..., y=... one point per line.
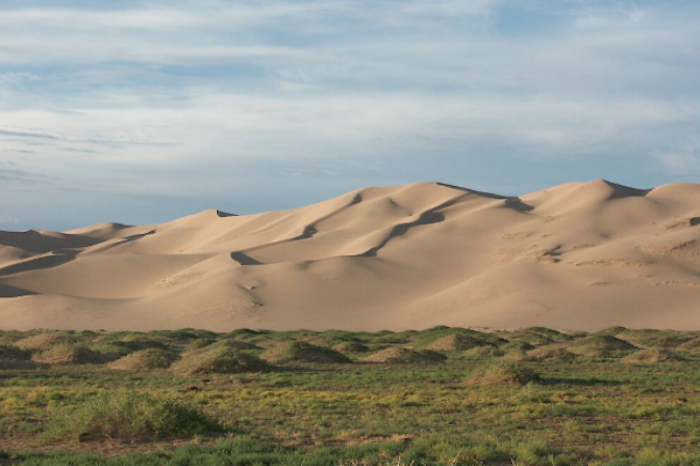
x=300, y=351
x=148, y=359
x=219, y=358
x=399, y=355
x=504, y=374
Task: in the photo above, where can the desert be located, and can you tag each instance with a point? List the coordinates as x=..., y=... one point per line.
x=579, y=256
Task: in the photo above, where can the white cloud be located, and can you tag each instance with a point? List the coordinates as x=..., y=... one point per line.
x=136, y=100
x=683, y=161
x=10, y=220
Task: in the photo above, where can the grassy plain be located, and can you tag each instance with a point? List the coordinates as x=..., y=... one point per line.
x=443, y=396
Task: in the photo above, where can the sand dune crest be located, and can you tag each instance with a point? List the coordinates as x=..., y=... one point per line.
x=576, y=256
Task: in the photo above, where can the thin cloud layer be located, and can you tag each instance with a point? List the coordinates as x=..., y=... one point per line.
x=250, y=106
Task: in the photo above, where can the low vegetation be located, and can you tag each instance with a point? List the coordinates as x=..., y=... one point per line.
x=127, y=415
x=300, y=351
x=398, y=355
x=219, y=358
x=504, y=374
x=145, y=360
x=441, y=396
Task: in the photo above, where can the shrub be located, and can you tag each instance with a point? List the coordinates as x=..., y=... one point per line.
x=127, y=415
x=66, y=353
x=504, y=374
x=147, y=359
x=691, y=346
x=14, y=358
x=516, y=346
x=650, y=338
x=601, y=346
x=111, y=349
x=351, y=347
x=483, y=352
x=299, y=351
x=529, y=337
x=550, y=353
x=42, y=341
x=11, y=352
x=219, y=359
x=201, y=343
x=651, y=356
x=399, y=355
x=456, y=342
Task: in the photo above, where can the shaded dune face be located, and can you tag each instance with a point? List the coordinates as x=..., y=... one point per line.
x=577, y=256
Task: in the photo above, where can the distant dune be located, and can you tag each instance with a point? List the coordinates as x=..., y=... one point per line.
x=577, y=256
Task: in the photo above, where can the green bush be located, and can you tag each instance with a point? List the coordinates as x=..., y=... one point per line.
x=399, y=355
x=300, y=351
x=147, y=359
x=220, y=358
x=66, y=353
x=504, y=374
x=127, y=415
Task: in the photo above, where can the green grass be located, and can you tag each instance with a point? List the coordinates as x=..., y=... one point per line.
x=144, y=360
x=300, y=351
x=223, y=357
x=467, y=407
x=128, y=415
x=501, y=373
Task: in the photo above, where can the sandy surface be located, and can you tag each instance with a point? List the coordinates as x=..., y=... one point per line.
x=577, y=256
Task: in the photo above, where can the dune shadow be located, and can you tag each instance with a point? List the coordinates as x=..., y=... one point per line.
x=426, y=218
x=9, y=291
x=38, y=243
x=128, y=239
x=620, y=191
x=244, y=259
x=517, y=204
x=473, y=191
x=43, y=262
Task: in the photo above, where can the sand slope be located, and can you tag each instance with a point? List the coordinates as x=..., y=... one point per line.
x=577, y=256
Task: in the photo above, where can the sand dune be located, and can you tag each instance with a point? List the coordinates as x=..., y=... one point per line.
x=577, y=256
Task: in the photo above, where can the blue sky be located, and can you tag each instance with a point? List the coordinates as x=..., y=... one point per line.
x=140, y=111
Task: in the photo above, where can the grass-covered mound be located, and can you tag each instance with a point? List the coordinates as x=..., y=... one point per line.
x=456, y=342
x=301, y=351
x=201, y=343
x=12, y=357
x=66, y=353
x=529, y=337
x=554, y=352
x=516, y=346
x=127, y=415
x=601, y=346
x=144, y=360
x=483, y=352
x=42, y=341
x=516, y=356
x=692, y=346
x=504, y=373
x=399, y=355
x=351, y=347
x=220, y=358
x=652, y=356
x=552, y=334
x=650, y=338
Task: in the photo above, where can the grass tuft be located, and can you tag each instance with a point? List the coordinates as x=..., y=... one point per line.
x=220, y=358
x=127, y=415
x=299, y=351
x=147, y=359
x=504, y=374
x=399, y=355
